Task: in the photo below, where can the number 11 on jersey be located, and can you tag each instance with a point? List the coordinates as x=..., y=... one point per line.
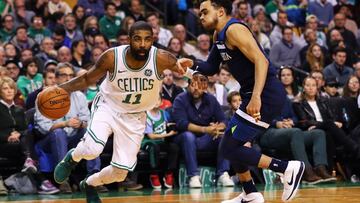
x=135, y=100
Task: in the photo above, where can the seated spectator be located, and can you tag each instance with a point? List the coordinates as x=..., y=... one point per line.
x=349, y=24
x=72, y=32
x=312, y=23
x=169, y=89
x=156, y=139
x=313, y=112
x=79, y=14
x=164, y=34
x=59, y=37
x=122, y=8
x=78, y=49
x=340, y=24
x=336, y=41
x=110, y=23
x=331, y=88
x=243, y=12
x=26, y=54
x=285, y=52
x=263, y=40
x=14, y=135
x=284, y=133
x=323, y=10
x=234, y=100
x=226, y=79
x=203, y=46
x=127, y=23
x=22, y=41
x=37, y=30
x=122, y=38
x=350, y=95
x=320, y=82
x=276, y=34
x=11, y=52
x=32, y=80
x=261, y=18
x=101, y=41
x=13, y=67
x=65, y=133
x=287, y=78
x=8, y=28
x=338, y=69
x=21, y=14
x=136, y=11
x=314, y=58
x=357, y=68
x=47, y=52
x=217, y=90
x=175, y=47
x=296, y=10
x=48, y=80
x=92, y=8
x=3, y=72
x=58, y=6
x=199, y=119
x=179, y=31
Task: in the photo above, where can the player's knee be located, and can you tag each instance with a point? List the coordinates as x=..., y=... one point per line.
x=91, y=151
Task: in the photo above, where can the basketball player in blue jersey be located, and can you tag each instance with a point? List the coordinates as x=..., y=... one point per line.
x=263, y=98
x=131, y=86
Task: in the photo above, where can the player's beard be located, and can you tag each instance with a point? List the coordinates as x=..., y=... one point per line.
x=137, y=56
x=211, y=25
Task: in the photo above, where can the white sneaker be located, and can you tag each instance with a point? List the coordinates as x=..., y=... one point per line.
x=292, y=179
x=225, y=180
x=254, y=197
x=194, y=182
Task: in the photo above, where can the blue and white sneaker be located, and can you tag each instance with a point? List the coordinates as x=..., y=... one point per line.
x=254, y=197
x=292, y=179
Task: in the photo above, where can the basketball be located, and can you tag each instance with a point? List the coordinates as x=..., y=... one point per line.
x=53, y=102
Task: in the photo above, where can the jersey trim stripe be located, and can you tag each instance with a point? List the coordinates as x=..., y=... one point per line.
x=251, y=119
x=123, y=167
x=155, y=64
x=112, y=76
x=91, y=133
x=130, y=69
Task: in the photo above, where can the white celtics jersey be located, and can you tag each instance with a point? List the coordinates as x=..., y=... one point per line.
x=129, y=91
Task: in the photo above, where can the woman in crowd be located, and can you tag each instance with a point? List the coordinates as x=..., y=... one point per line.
x=78, y=49
x=79, y=13
x=287, y=78
x=315, y=59
x=314, y=112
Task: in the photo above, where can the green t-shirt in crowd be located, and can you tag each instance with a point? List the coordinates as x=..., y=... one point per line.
x=26, y=85
x=110, y=27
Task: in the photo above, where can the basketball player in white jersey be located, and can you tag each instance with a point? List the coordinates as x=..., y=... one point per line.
x=132, y=85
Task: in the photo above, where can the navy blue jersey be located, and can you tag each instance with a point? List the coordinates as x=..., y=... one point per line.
x=243, y=70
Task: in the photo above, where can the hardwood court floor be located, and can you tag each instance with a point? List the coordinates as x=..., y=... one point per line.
x=349, y=193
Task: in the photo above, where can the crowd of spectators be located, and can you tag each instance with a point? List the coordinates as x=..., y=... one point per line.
x=315, y=45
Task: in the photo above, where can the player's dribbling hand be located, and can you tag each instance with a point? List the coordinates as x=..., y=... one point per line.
x=253, y=108
x=183, y=64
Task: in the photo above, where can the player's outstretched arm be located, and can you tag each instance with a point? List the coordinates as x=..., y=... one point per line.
x=166, y=60
x=103, y=64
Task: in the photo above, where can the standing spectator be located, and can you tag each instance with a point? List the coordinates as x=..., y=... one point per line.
x=37, y=30
x=203, y=46
x=338, y=69
x=58, y=6
x=323, y=10
x=78, y=52
x=286, y=51
x=32, y=80
x=287, y=78
x=22, y=41
x=93, y=7
x=179, y=31
x=20, y=14
x=263, y=40
x=110, y=23
x=135, y=10
x=198, y=118
x=164, y=34
x=72, y=32
x=169, y=89
x=8, y=28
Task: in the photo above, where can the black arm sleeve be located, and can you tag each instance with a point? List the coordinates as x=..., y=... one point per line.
x=211, y=66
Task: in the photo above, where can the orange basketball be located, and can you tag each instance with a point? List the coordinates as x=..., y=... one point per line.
x=53, y=102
